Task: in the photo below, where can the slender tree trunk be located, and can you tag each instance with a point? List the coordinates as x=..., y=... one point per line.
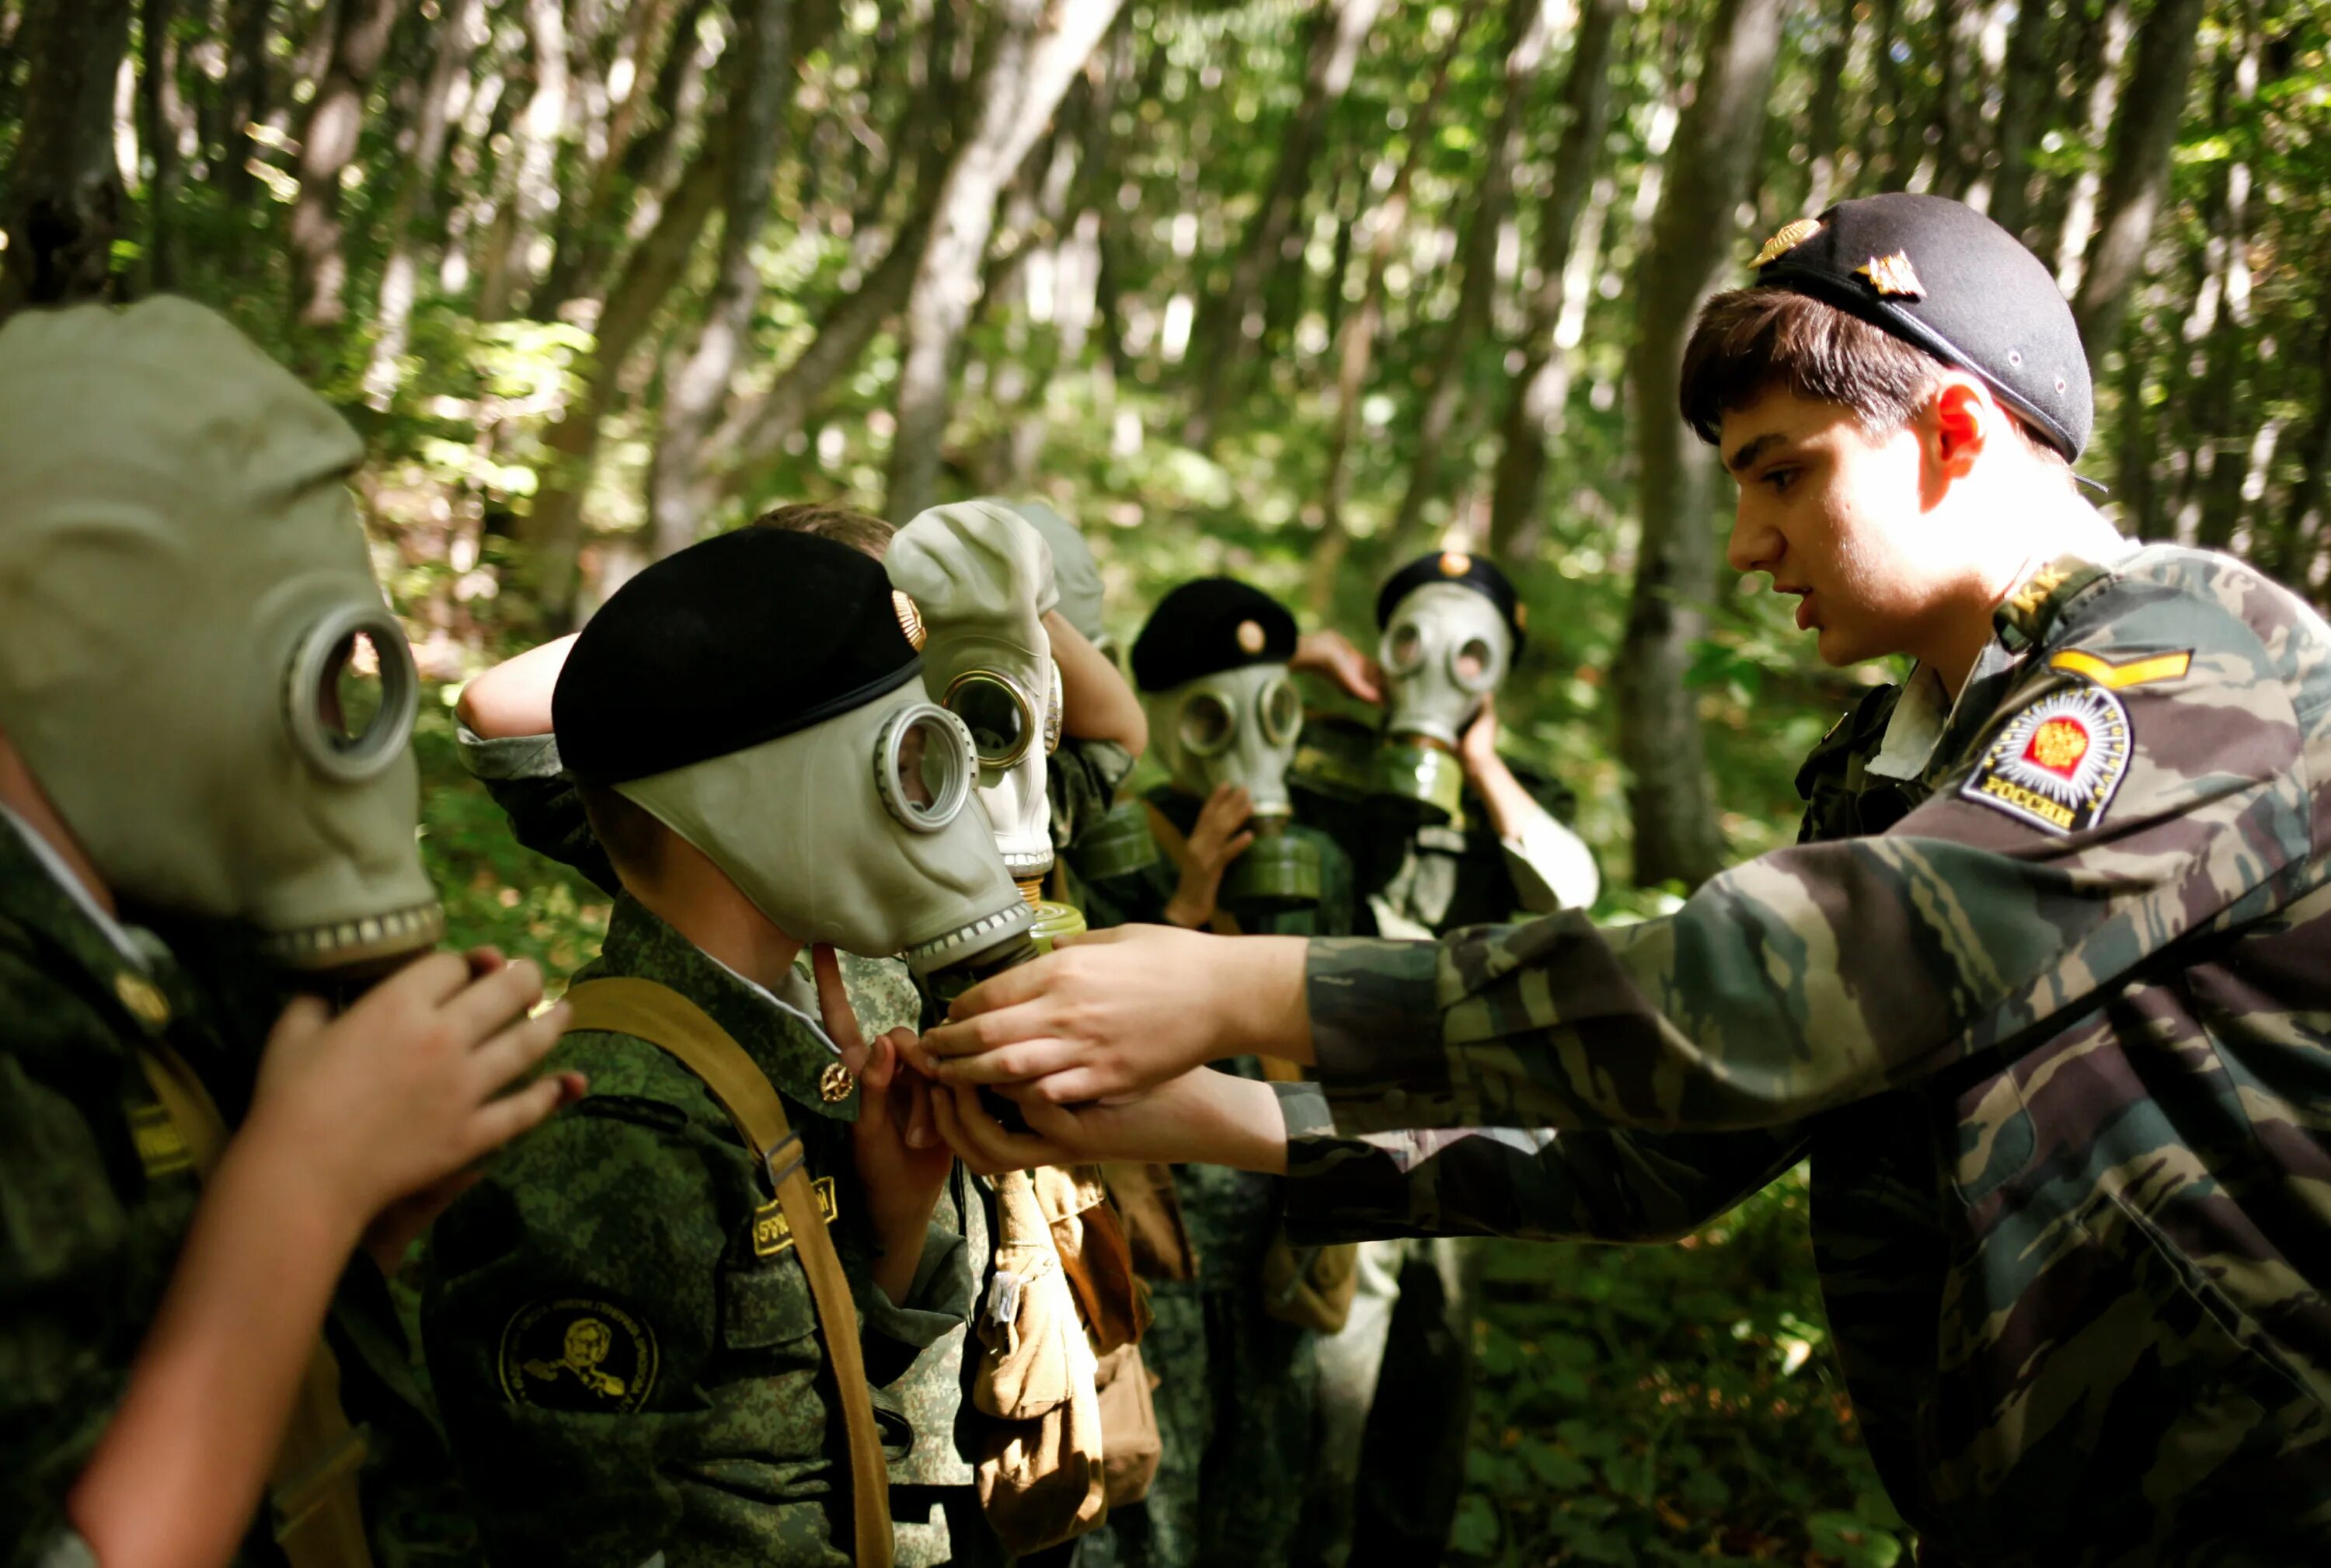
x=552, y=530
x=1825, y=110
x=2221, y=463
x=2303, y=537
x=2029, y=79
x=1355, y=335
x=415, y=204
x=1530, y=404
x=64, y=188
x=328, y=143
x=160, y=117
x=2137, y=175
x=1693, y=239
x=244, y=93
x=1339, y=29
x=534, y=194
x=757, y=100
x=1525, y=46
x=1023, y=83
x=2067, y=208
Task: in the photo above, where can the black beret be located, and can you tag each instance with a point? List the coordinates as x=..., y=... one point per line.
x=1943, y=278
x=1208, y=626
x=723, y=645
x=1474, y=571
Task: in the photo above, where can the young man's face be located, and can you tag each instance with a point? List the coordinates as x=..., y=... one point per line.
x=1840, y=520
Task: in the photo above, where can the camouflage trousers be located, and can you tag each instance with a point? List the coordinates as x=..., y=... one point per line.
x=1234, y=1409
x=1395, y=1404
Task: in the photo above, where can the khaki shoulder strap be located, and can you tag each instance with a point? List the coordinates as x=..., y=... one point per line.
x=672, y=1023
x=1171, y=839
x=319, y=1516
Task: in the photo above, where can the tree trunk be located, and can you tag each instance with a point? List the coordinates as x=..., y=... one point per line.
x=758, y=96
x=1525, y=46
x=244, y=93
x=534, y=193
x=415, y=204
x=553, y=530
x=1825, y=111
x=1023, y=83
x=1339, y=29
x=328, y=143
x=2092, y=87
x=64, y=188
x=1355, y=335
x=1693, y=239
x=2030, y=77
x=1530, y=397
x=160, y=116
x=2143, y=131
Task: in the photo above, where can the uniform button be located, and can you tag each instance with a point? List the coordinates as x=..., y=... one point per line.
x=145, y=1003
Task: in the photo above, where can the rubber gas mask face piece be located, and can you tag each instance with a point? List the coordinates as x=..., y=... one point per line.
x=979, y=576
x=862, y=831
x=1444, y=649
x=195, y=662
x=1235, y=727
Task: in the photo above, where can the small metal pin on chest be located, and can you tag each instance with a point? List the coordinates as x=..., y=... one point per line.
x=834, y=1084
x=144, y=1000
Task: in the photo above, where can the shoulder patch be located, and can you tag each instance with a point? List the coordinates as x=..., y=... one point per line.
x=2057, y=763
x=576, y=1354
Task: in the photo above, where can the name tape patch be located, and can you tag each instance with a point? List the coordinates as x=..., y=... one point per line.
x=773, y=1232
x=2058, y=763
x=576, y=1354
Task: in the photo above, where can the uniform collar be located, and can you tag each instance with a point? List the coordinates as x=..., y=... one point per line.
x=46, y=898
x=777, y=1030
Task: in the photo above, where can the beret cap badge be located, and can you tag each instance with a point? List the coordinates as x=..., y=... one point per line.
x=1787, y=238
x=1893, y=276
x=1250, y=636
x=1455, y=565
x=911, y=619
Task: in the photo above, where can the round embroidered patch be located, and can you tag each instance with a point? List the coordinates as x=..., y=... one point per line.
x=2057, y=763
x=573, y=1353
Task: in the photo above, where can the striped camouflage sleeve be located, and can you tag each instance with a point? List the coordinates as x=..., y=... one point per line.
x=1530, y=1184
x=1821, y=973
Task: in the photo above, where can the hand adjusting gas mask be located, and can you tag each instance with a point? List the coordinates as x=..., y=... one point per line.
x=1212, y=666
x=195, y=660
x=758, y=694
x=1450, y=628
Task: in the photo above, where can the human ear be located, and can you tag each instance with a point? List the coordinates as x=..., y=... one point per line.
x=1962, y=420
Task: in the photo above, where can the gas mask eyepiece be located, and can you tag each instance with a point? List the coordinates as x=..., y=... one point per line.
x=351, y=693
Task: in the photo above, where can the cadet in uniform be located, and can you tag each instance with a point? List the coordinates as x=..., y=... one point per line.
x=197, y=821
x=2042, y=992
x=625, y=1331
x=1443, y=832
x=1235, y=1393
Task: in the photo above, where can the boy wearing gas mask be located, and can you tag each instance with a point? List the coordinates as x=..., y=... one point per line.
x=1234, y=1399
x=186, y=618
x=746, y=815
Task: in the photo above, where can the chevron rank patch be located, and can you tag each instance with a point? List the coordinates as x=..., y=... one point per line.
x=2056, y=764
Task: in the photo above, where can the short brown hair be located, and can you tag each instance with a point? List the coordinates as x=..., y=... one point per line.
x=1748, y=341
x=869, y=536
x=633, y=837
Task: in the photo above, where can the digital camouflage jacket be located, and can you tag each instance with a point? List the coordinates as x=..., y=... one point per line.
x=622, y=1371
x=2052, y=1028
x=97, y=1191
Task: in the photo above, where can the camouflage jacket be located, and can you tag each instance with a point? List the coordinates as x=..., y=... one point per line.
x=2053, y=1028
x=1409, y=880
x=96, y=1194
x=622, y=1373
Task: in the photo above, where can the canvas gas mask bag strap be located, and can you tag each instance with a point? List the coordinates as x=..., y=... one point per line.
x=672, y=1023
x=312, y=1488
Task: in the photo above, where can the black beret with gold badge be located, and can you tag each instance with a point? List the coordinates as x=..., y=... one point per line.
x=1944, y=278
x=728, y=643
x=1206, y=626
x=1475, y=572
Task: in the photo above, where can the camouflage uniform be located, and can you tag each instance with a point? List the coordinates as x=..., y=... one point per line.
x=96, y=1192
x=620, y=1372
x=931, y=1486
x=1235, y=1386
x=2059, y=1058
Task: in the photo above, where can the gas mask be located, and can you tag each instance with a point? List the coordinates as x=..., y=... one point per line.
x=195, y=660
x=862, y=831
x=1239, y=727
x=1445, y=649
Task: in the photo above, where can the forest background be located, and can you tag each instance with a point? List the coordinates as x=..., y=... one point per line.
x=1289, y=288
